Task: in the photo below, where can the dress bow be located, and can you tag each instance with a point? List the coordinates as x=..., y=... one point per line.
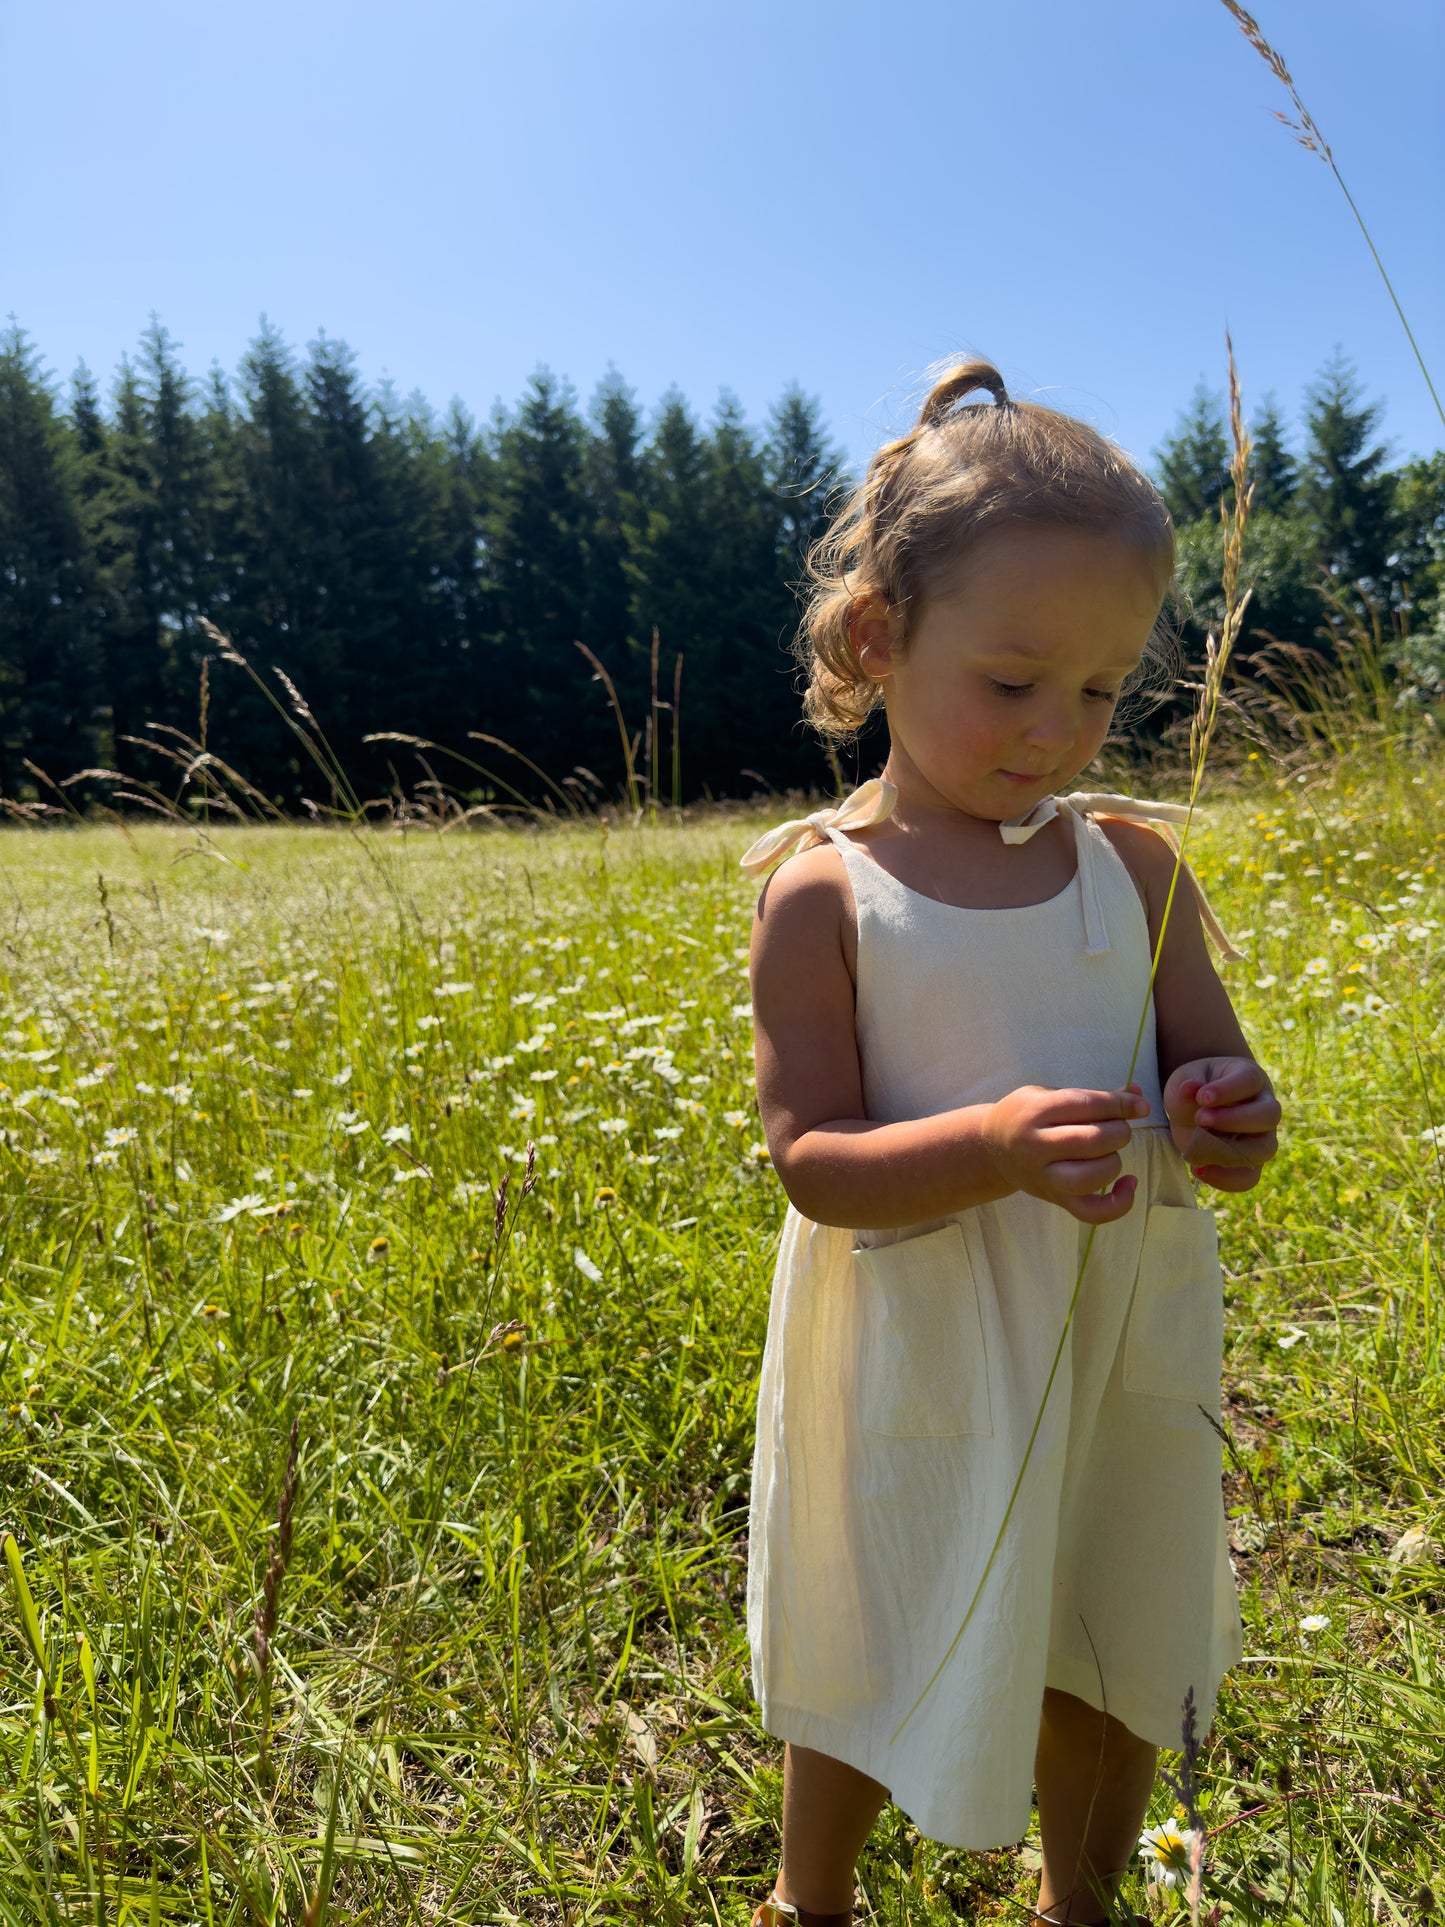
x=869, y=804
x=1135, y=809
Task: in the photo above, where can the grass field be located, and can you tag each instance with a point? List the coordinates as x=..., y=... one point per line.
x=479, y=1655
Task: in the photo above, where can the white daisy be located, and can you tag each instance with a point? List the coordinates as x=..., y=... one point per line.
x=1168, y=1853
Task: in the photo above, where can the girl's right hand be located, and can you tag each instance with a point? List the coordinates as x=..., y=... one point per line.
x=1063, y=1146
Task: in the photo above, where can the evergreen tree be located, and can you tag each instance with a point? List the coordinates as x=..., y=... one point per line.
x=357, y=531
x=1281, y=568
x=1344, y=495
x=49, y=665
x=1193, y=463
x=746, y=691
x=458, y=483
x=536, y=536
x=1417, y=567
x=612, y=477
x=152, y=512
x=806, y=472
x=670, y=567
x=1273, y=470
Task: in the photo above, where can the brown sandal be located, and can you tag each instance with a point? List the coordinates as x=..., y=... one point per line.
x=782, y=1913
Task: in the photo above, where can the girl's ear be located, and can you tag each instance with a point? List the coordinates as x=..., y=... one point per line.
x=875, y=632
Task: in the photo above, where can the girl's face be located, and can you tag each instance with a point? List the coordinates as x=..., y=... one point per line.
x=1006, y=687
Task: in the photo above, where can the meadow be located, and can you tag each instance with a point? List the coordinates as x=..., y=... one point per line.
x=387, y=1232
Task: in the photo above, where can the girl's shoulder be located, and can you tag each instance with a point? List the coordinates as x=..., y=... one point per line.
x=805, y=911
x=1148, y=858
x=812, y=883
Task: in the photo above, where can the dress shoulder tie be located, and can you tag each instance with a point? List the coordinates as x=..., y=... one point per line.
x=873, y=802
x=1135, y=809
x=870, y=804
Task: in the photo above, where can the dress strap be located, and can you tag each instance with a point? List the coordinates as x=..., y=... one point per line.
x=1136, y=809
x=869, y=804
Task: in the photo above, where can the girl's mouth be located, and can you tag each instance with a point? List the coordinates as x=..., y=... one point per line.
x=1013, y=776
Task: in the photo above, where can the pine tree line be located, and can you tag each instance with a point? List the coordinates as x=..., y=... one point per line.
x=409, y=575
x=429, y=577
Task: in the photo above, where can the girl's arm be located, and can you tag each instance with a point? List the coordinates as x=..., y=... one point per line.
x=840, y=1168
x=1221, y=1106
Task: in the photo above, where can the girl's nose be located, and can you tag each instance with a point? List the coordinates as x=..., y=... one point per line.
x=1052, y=731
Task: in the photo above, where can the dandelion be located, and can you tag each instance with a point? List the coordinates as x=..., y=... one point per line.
x=378, y=1251
x=1314, y=1622
x=736, y=1118
x=605, y=1196
x=1168, y=1853
x=123, y=1134
x=759, y=1153
x=210, y=1313
x=1316, y=967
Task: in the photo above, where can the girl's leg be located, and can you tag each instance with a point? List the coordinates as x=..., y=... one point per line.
x=828, y=1810
x=1093, y=1778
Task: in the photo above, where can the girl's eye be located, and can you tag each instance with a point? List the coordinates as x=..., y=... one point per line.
x=1023, y=688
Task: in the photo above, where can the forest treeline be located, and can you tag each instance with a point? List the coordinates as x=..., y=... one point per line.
x=429, y=576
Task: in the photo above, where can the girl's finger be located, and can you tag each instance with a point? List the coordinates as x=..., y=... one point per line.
x=1087, y=1141
x=1233, y=1177
x=1078, y=1176
x=1236, y=1149
x=1105, y=1208
x=1260, y=1114
x=1237, y=1081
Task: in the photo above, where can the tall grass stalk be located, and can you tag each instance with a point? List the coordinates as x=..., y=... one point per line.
x=1313, y=141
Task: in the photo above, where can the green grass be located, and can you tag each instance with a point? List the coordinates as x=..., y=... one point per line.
x=263, y=1095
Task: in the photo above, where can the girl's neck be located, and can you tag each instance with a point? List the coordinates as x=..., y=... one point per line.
x=921, y=810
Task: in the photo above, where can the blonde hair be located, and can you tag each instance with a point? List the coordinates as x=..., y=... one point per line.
x=929, y=497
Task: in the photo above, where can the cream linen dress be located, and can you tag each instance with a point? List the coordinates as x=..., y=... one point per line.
x=904, y=1369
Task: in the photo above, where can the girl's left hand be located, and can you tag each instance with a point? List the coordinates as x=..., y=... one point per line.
x=1223, y=1116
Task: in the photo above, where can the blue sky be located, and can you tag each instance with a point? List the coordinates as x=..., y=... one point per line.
x=739, y=195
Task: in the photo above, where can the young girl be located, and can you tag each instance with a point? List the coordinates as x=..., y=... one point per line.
x=949, y=973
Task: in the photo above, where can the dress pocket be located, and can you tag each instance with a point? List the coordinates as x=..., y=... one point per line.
x=923, y=1370
x=1175, y=1341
